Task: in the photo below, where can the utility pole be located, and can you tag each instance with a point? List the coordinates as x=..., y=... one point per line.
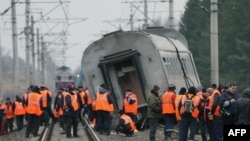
x=131, y=18
x=33, y=74
x=43, y=49
x=214, y=42
x=15, y=49
x=145, y=25
x=171, y=14
x=38, y=57
x=1, y=68
x=27, y=42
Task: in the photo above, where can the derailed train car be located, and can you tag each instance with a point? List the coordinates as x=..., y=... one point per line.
x=137, y=60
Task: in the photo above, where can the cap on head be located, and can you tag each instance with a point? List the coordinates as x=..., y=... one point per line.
x=171, y=87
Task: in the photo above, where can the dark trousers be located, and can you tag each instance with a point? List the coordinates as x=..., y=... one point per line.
x=153, y=122
x=217, y=129
x=71, y=122
x=68, y=124
x=19, y=122
x=103, y=121
x=132, y=116
x=203, y=128
x=169, y=120
x=45, y=118
x=9, y=124
x=33, y=124
x=75, y=124
x=187, y=123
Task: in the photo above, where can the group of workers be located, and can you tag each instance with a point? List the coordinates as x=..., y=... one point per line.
x=73, y=103
x=34, y=107
x=197, y=109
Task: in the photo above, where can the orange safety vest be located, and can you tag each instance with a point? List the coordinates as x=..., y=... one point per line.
x=177, y=102
x=195, y=101
x=74, y=102
x=3, y=108
x=44, y=94
x=211, y=101
x=128, y=120
x=167, y=103
x=101, y=102
x=82, y=94
x=9, y=112
x=34, y=104
x=19, y=109
x=130, y=108
x=93, y=105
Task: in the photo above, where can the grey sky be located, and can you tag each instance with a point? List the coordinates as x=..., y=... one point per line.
x=102, y=16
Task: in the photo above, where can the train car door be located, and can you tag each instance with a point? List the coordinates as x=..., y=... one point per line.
x=126, y=71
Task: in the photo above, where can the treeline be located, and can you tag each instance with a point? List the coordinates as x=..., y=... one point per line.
x=234, y=39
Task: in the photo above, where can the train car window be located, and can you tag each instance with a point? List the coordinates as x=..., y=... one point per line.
x=164, y=59
x=58, y=78
x=70, y=77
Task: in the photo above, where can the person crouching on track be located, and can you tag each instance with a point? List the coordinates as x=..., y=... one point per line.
x=70, y=110
x=125, y=124
x=34, y=110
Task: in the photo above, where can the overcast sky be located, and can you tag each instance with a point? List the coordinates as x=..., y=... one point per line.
x=87, y=21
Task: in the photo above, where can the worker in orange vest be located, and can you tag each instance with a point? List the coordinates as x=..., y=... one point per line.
x=9, y=115
x=46, y=105
x=19, y=112
x=85, y=101
x=25, y=96
x=130, y=104
x=70, y=111
x=125, y=124
x=58, y=108
x=168, y=110
x=34, y=110
x=103, y=106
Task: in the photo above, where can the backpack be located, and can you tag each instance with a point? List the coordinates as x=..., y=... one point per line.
x=188, y=105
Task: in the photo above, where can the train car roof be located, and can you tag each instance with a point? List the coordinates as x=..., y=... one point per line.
x=160, y=40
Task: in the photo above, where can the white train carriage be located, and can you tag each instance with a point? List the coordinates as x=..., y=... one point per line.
x=137, y=60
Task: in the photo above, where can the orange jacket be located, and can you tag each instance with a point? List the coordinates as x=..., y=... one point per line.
x=33, y=106
x=101, y=102
x=195, y=101
x=9, y=111
x=168, y=102
x=84, y=94
x=130, y=108
x=19, y=108
x=44, y=94
x=211, y=102
x=177, y=111
x=128, y=120
x=74, y=102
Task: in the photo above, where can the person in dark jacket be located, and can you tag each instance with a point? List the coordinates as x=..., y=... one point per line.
x=243, y=108
x=154, y=111
x=228, y=104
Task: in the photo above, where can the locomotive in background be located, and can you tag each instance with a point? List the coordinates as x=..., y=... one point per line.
x=64, y=77
x=137, y=60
